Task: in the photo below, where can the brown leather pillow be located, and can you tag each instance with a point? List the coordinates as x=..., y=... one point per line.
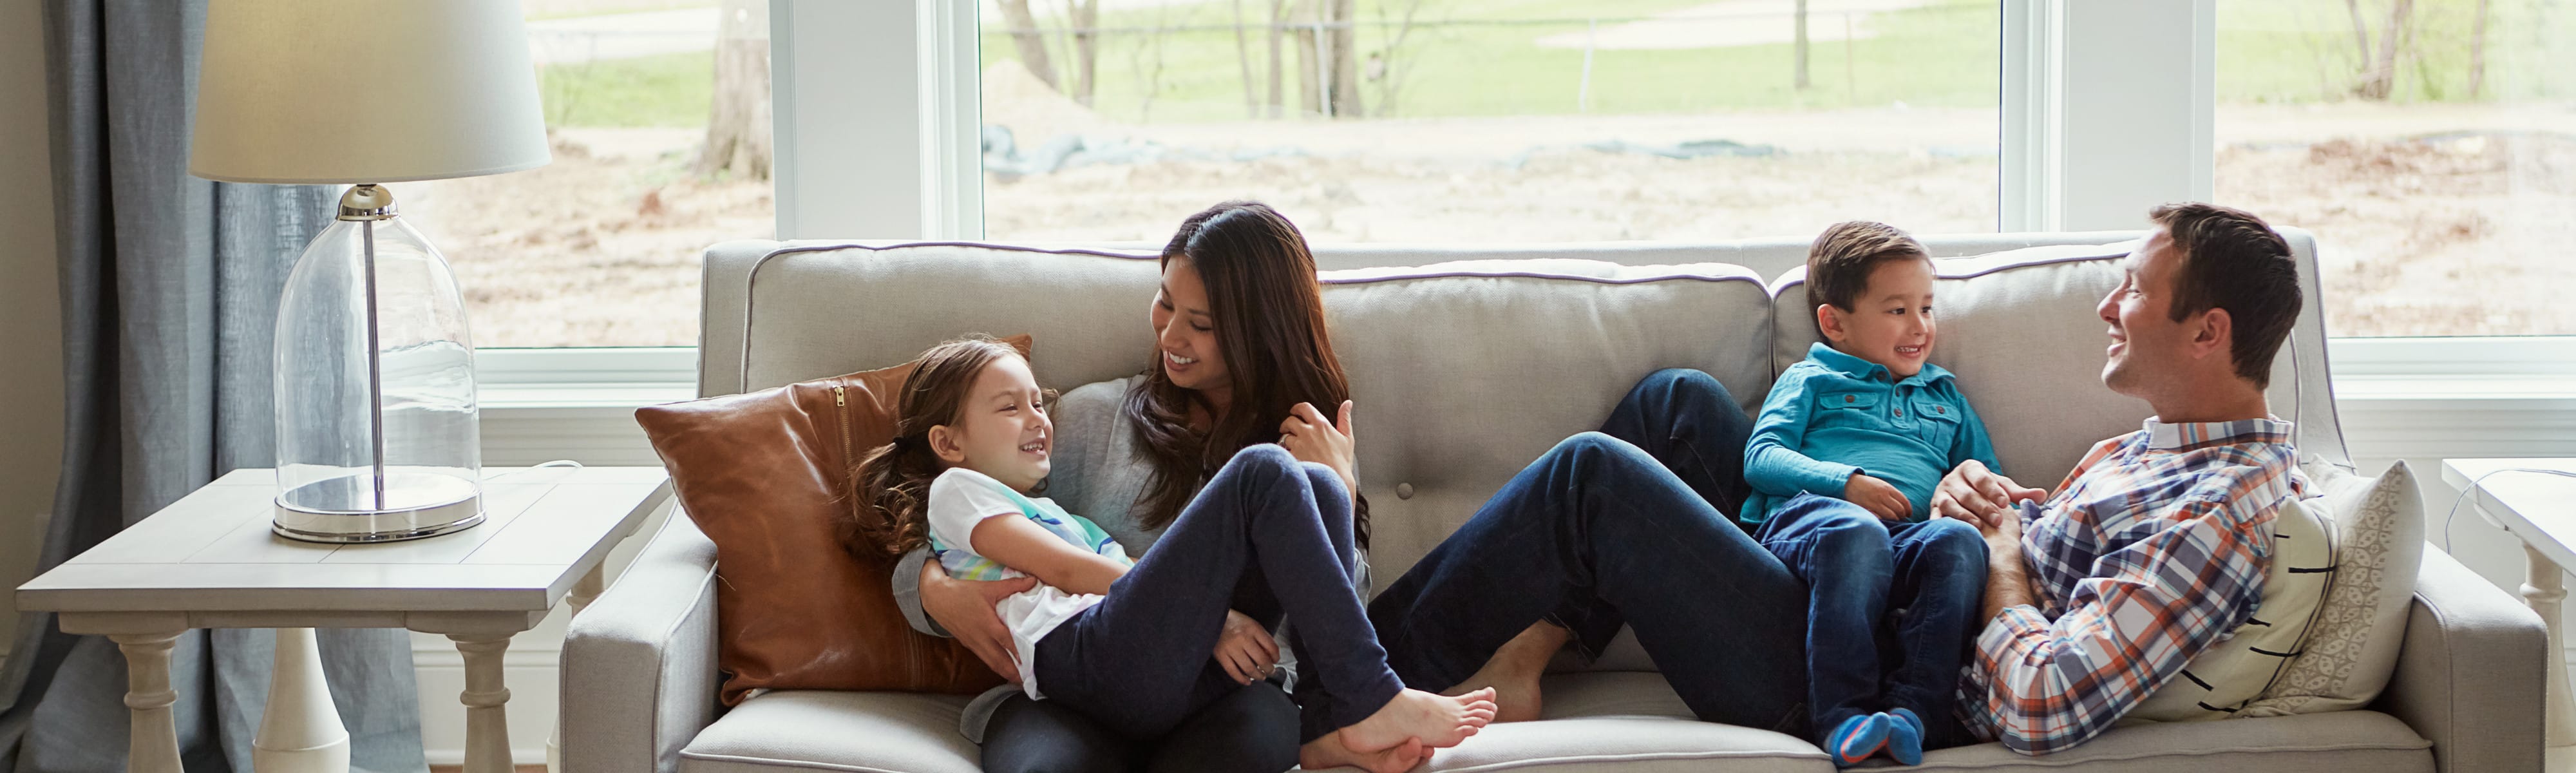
x=765, y=474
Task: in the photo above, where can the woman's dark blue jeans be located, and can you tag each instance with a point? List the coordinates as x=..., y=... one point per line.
x=1139, y=662
x=1631, y=525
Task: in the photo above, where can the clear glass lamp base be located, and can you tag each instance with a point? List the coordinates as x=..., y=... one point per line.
x=346, y=509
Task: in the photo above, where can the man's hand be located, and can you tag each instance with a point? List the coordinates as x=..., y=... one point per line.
x=965, y=608
x=1245, y=650
x=1976, y=494
x=1878, y=497
x=2007, y=578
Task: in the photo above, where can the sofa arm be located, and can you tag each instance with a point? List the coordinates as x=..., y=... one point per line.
x=2469, y=677
x=639, y=664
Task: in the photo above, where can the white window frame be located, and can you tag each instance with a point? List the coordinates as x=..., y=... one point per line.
x=878, y=135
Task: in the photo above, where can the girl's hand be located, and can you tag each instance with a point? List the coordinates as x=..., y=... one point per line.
x=1310, y=438
x=1245, y=649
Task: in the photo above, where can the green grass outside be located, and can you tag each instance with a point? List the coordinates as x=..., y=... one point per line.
x=1943, y=54
x=665, y=90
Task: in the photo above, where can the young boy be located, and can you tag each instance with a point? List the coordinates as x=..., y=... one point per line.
x=1843, y=461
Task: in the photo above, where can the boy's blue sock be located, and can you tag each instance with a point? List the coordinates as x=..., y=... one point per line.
x=1904, y=737
x=1857, y=739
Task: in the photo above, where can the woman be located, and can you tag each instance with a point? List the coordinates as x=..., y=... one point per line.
x=1242, y=358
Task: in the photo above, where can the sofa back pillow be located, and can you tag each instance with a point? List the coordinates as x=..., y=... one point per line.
x=767, y=475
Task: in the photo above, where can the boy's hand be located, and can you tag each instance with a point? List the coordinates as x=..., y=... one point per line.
x=1245, y=649
x=1878, y=497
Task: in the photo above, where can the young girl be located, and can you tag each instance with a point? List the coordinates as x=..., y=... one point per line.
x=1125, y=642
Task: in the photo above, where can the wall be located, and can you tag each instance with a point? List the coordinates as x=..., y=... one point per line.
x=31, y=397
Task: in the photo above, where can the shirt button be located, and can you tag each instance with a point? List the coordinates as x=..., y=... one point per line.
x=1940, y=409
x=1404, y=491
x=1850, y=399
x=1900, y=414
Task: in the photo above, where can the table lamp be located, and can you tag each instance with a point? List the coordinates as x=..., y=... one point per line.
x=377, y=430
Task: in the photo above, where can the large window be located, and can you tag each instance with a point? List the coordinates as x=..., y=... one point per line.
x=2430, y=144
x=601, y=247
x=1489, y=120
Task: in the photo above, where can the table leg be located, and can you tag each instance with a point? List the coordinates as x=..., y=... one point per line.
x=152, y=740
x=2543, y=588
x=487, y=728
x=301, y=731
x=583, y=591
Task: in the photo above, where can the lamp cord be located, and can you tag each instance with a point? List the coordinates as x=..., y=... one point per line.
x=556, y=464
x=2454, y=513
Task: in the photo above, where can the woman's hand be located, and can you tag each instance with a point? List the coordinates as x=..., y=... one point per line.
x=965, y=608
x=1310, y=438
x=1245, y=649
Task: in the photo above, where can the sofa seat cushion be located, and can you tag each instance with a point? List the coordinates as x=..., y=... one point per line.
x=2337, y=742
x=1612, y=721
x=1601, y=721
x=831, y=730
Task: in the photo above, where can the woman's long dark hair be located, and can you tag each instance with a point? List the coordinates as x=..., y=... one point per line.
x=892, y=517
x=1269, y=316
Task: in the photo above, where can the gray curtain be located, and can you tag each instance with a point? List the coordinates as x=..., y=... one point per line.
x=169, y=299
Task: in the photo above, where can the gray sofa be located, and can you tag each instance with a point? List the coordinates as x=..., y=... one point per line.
x=1466, y=363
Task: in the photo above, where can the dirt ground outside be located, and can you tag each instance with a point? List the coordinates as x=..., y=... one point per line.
x=2432, y=218
x=2428, y=233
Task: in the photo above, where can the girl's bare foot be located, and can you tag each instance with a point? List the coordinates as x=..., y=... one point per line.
x=1436, y=720
x=1329, y=752
x=1514, y=670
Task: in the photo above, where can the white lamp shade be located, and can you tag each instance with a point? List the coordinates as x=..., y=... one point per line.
x=379, y=91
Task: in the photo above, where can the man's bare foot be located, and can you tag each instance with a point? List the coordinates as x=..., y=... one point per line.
x=1513, y=672
x=1436, y=720
x=1328, y=752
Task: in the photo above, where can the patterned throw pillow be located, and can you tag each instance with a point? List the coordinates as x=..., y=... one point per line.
x=2220, y=681
x=2352, y=652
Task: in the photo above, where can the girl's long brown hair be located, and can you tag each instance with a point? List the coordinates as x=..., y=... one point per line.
x=892, y=517
x=1268, y=312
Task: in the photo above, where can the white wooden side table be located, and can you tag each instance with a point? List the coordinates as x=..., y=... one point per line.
x=2539, y=510
x=209, y=561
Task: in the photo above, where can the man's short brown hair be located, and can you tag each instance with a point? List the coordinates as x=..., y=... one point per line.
x=2232, y=260
x=1839, y=263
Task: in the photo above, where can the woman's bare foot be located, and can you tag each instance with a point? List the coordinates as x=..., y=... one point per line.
x=1436, y=720
x=1328, y=752
x=1514, y=670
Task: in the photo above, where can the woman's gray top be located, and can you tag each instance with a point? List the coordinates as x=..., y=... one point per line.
x=1096, y=474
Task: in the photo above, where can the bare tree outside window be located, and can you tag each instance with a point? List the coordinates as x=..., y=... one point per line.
x=2430, y=144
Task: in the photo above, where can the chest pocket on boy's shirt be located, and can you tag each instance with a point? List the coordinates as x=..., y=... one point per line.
x=1939, y=424
x=1839, y=409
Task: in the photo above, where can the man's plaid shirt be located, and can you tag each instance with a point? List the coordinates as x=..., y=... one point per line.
x=2153, y=549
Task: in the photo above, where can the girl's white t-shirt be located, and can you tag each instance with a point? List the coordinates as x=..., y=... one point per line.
x=961, y=498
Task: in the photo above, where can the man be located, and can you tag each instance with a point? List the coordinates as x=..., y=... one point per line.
x=2154, y=548
x=2158, y=543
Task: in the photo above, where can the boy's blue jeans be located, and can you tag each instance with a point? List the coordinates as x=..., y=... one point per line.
x=1890, y=610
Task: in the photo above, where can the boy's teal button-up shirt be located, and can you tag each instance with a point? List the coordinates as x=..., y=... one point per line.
x=1833, y=414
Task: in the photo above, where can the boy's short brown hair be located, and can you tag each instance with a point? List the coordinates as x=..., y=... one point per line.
x=1839, y=263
